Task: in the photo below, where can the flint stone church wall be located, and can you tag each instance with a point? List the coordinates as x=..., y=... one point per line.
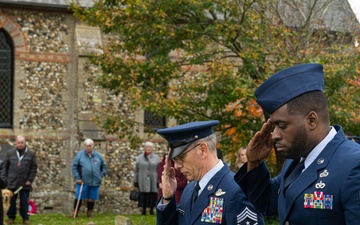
x=54, y=102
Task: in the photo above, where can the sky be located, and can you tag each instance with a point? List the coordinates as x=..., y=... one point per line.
x=355, y=5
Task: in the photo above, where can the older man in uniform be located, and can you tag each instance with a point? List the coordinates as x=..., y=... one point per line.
x=320, y=180
x=212, y=196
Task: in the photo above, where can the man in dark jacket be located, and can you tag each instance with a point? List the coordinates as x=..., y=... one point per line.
x=21, y=169
x=88, y=168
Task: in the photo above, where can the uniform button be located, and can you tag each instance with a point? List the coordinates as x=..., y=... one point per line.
x=287, y=223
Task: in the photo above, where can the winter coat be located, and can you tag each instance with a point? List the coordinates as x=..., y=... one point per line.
x=90, y=170
x=18, y=173
x=145, y=173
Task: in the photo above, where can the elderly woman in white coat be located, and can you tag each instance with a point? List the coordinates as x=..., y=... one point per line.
x=146, y=178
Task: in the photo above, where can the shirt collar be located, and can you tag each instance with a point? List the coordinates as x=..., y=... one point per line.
x=207, y=177
x=319, y=148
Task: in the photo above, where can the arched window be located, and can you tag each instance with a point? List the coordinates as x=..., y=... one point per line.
x=6, y=79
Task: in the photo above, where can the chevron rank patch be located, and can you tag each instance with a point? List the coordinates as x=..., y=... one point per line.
x=247, y=217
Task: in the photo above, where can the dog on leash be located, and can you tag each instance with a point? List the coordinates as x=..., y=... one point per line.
x=6, y=196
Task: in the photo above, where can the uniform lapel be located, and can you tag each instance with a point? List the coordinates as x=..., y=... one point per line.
x=187, y=205
x=309, y=177
x=204, y=198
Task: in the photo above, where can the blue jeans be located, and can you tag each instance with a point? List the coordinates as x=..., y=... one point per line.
x=24, y=204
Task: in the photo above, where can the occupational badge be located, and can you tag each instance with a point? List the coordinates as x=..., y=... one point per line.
x=219, y=192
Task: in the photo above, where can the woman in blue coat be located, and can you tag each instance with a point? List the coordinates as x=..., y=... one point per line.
x=88, y=168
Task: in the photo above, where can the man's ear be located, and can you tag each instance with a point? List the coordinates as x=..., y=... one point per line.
x=312, y=120
x=204, y=150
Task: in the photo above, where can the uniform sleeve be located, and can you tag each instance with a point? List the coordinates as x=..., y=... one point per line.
x=167, y=214
x=261, y=191
x=240, y=211
x=351, y=195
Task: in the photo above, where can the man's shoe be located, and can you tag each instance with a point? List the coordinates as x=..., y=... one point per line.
x=26, y=222
x=10, y=221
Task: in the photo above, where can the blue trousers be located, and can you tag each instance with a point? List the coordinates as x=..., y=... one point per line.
x=24, y=204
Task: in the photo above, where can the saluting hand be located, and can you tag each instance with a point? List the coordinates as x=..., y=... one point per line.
x=260, y=146
x=169, y=182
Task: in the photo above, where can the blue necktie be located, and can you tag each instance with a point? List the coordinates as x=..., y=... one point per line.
x=195, y=194
x=295, y=173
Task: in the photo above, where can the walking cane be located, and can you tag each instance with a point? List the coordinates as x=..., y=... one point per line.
x=78, y=201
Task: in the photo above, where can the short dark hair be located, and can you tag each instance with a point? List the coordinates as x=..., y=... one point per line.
x=311, y=101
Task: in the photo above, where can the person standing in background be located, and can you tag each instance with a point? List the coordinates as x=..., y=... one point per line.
x=146, y=178
x=21, y=169
x=88, y=169
x=241, y=158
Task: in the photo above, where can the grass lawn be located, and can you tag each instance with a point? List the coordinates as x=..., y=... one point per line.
x=98, y=219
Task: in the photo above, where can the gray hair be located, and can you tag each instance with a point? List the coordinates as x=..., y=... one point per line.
x=209, y=140
x=149, y=143
x=88, y=141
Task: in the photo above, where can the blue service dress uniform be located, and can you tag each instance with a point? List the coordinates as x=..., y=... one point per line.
x=326, y=193
x=220, y=202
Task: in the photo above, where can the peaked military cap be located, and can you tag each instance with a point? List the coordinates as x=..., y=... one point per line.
x=288, y=84
x=181, y=136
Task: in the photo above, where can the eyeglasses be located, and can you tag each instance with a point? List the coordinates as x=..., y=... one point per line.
x=179, y=158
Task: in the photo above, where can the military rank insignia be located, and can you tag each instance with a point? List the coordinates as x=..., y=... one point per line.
x=318, y=200
x=247, y=217
x=214, y=211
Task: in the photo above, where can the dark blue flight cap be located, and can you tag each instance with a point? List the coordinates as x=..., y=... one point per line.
x=180, y=137
x=288, y=84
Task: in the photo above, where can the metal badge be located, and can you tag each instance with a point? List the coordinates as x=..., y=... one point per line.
x=325, y=173
x=320, y=161
x=181, y=212
x=320, y=185
x=210, y=187
x=219, y=192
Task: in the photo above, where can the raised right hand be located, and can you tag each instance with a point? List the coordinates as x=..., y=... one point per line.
x=260, y=146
